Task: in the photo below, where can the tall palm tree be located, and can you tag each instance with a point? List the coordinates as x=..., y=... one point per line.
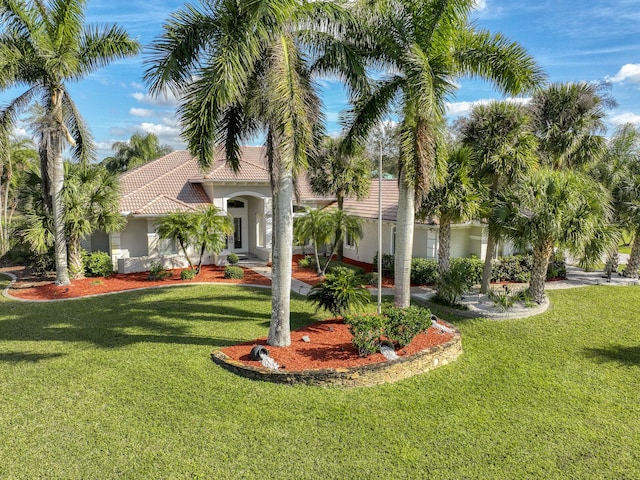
x=240, y=67
x=336, y=172
x=455, y=200
x=44, y=46
x=211, y=231
x=503, y=148
x=139, y=150
x=555, y=208
x=425, y=46
x=568, y=120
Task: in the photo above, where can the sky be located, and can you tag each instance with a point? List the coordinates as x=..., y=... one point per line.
x=595, y=40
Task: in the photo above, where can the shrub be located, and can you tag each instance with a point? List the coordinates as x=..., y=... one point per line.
x=388, y=264
x=232, y=271
x=187, y=274
x=340, y=292
x=469, y=268
x=503, y=298
x=232, y=259
x=359, y=271
x=42, y=263
x=403, y=324
x=97, y=264
x=158, y=272
x=424, y=271
x=370, y=278
x=454, y=283
x=557, y=268
x=516, y=268
x=366, y=330
x=307, y=262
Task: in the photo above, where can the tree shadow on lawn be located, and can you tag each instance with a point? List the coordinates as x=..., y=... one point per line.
x=615, y=353
x=19, y=357
x=137, y=317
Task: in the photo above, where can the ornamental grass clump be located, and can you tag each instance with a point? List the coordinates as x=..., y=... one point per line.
x=340, y=292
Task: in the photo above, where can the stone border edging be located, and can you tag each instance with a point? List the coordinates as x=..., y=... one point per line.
x=474, y=312
x=12, y=280
x=365, y=375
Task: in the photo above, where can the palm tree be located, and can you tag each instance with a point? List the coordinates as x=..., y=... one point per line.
x=139, y=150
x=619, y=171
x=211, y=232
x=503, y=148
x=16, y=156
x=341, y=225
x=425, y=46
x=568, y=120
x=314, y=224
x=555, y=208
x=240, y=68
x=91, y=202
x=180, y=227
x=44, y=46
x=336, y=172
x=92, y=199
x=454, y=200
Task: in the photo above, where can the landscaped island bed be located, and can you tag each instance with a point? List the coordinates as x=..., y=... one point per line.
x=329, y=357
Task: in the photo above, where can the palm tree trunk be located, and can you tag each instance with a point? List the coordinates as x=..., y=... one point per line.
x=340, y=252
x=76, y=267
x=634, y=259
x=541, y=255
x=281, y=252
x=444, y=246
x=488, y=260
x=404, y=244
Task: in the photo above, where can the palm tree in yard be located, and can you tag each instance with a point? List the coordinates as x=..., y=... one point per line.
x=240, y=68
x=336, y=172
x=314, y=225
x=91, y=202
x=44, y=46
x=619, y=171
x=555, y=208
x=425, y=46
x=455, y=200
x=568, y=120
x=178, y=227
x=211, y=232
x=139, y=150
x=503, y=149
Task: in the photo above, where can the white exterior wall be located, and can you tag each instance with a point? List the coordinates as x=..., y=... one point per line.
x=368, y=246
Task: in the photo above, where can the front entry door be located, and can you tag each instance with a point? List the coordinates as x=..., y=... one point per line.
x=237, y=233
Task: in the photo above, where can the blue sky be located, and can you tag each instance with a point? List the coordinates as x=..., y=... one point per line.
x=572, y=40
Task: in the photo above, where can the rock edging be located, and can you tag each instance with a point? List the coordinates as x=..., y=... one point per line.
x=366, y=375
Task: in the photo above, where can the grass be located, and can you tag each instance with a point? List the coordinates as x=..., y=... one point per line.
x=122, y=387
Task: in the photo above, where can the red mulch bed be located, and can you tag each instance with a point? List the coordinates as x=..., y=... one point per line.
x=47, y=290
x=330, y=347
x=31, y=288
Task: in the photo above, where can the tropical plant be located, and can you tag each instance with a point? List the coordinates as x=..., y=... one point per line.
x=556, y=208
x=16, y=156
x=423, y=47
x=568, y=120
x=241, y=68
x=140, y=149
x=341, y=225
x=90, y=203
x=210, y=232
x=180, y=227
x=619, y=170
x=314, y=224
x=454, y=200
x=340, y=292
x=503, y=149
x=44, y=46
x=187, y=274
x=336, y=172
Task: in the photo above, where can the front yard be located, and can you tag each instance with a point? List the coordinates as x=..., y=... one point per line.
x=122, y=387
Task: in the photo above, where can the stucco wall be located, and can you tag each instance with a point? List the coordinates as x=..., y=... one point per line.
x=133, y=239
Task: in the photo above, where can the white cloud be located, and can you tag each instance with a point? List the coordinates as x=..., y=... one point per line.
x=141, y=112
x=481, y=5
x=461, y=109
x=630, y=71
x=625, y=118
x=166, y=99
x=167, y=132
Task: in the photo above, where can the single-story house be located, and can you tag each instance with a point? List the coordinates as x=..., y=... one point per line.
x=175, y=182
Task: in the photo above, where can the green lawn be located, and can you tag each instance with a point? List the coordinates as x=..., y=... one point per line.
x=122, y=386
